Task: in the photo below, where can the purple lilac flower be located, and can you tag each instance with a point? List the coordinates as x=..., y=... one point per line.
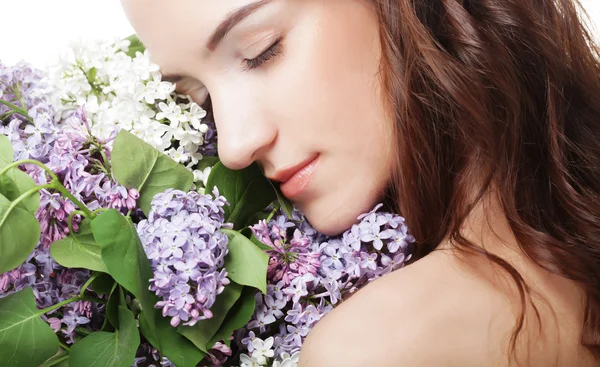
x=289, y=259
x=217, y=355
x=310, y=273
x=186, y=249
x=22, y=86
x=209, y=146
x=65, y=148
x=148, y=356
x=53, y=284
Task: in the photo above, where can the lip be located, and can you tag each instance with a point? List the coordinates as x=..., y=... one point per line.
x=295, y=180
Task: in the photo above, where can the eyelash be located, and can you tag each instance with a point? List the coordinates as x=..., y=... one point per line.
x=273, y=51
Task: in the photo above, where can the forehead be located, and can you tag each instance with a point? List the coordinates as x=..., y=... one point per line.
x=177, y=27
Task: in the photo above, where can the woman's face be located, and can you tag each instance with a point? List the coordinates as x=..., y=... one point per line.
x=294, y=85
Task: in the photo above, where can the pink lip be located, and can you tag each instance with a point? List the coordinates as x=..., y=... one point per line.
x=299, y=181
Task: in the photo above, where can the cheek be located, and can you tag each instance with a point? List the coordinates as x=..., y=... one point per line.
x=330, y=89
x=327, y=80
x=348, y=100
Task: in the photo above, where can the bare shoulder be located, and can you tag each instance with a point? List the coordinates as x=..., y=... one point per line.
x=428, y=313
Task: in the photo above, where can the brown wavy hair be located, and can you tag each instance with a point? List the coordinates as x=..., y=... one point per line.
x=507, y=91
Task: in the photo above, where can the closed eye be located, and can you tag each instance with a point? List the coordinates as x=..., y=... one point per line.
x=271, y=52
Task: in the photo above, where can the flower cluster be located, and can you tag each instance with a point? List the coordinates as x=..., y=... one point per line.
x=78, y=160
x=125, y=91
x=309, y=274
x=100, y=89
x=22, y=86
x=183, y=240
x=25, y=111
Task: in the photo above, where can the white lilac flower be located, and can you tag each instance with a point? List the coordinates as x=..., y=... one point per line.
x=247, y=361
x=288, y=360
x=263, y=350
x=186, y=249
x=123, y=92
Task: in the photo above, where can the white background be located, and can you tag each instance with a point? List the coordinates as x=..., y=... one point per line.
x=37, y=30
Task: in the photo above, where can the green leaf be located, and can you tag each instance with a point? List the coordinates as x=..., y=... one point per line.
x=237, y=317
x=135, y=46
x=79, y=250
x=91, y=75
x=247, y=232
x=16, y=182
x=7, y=155
x=248, y=191
x=136, y=164
x=103, y=284
x=284, y=203
x=25, y=339
x=63, y=363
x=255, y=218
x=59, y=359
x=203, y=332
x=8, y=188
x=246, y=263
x=260, y=244
x=115, y=299
x=19, y=234
x=124, y=256
x=181, y=351
x=102, y=349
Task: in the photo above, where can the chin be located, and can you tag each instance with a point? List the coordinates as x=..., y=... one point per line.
x=334, y=222
x=331, y=226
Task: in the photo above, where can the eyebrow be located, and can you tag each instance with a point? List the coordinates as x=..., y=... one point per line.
x=231, y=21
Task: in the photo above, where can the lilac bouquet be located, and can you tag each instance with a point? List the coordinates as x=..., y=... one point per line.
x=124, y=241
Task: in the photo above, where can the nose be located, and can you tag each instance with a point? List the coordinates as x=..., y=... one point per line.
x=245, y=132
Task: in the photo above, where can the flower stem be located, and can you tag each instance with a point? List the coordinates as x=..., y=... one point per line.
x=99, y=210
x=94, y=300
x=70, y=220
x=29, y=161
x=68, y=301
x=58, y=305
x=17, y=109
x=87, y=284
x=24, y=196
x=272, y=214
x=63, y=345
x=17, y=91
x=6, y=115
x=107, y=164
x=58, y=361
x=82, y=331
x=66, y=193
x=56, y=185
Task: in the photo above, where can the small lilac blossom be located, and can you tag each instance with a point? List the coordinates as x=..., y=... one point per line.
x=186, y=249
x=148, y=356
x=288, y=360
x=218, y=355
x=263, y=350
x=298, y=295
x=247, y=361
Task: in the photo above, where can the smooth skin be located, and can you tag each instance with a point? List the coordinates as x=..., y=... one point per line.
x=297, y=79
x=320, y=95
